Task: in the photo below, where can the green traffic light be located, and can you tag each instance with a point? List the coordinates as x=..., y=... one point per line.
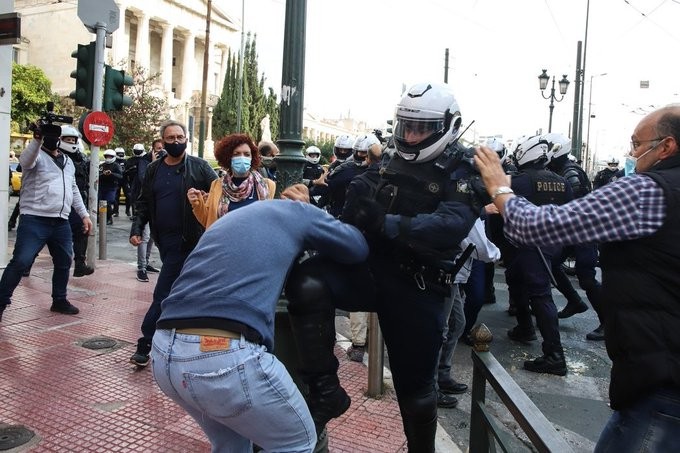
x=115, y=82
x=84, y=75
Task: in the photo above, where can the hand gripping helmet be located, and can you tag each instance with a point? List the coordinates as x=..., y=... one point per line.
x=531, y=150
x=362, y=145
x=426, y=120
x=70, y=148
x=138, y=149
x=343, y=147
x=558, y=144
x=499, y=147
x=313, y=154
x=120, y=152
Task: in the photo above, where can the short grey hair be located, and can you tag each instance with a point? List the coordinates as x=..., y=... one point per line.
x=169, y=123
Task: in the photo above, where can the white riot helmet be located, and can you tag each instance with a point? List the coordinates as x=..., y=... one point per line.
x=138, y=149
x=343, y=147
x=499, y=147
x=426, y=120
x=558, y=144
x=531, y=150
x=613, y=163
x=362, y=145
x=120, y=152
x=70, y=131
x=313, y=155
x=109, y=156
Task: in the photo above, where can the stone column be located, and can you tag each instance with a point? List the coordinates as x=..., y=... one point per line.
x=120, y=49
x=223, y=70
x=166, y=58
x=142, y=51
x=188, y=64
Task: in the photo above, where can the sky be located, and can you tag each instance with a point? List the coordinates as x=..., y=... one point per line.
x=360, y=53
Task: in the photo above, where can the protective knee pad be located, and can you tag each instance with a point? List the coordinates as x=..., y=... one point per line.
x=421, y=407
x=306, y=289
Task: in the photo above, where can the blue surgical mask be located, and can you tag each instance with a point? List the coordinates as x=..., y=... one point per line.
x=240, y=165
x=631, y=162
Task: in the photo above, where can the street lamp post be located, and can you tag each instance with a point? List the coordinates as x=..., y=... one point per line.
x=588, y=157
x=543, y=83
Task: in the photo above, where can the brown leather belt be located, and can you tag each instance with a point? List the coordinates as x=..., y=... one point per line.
x=208, y=332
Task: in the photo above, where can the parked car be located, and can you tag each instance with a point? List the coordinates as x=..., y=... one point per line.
x=15, y=181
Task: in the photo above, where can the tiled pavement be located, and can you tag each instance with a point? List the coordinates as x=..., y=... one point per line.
x=82, y=400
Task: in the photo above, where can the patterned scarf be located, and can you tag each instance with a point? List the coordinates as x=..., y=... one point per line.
x=232, y=192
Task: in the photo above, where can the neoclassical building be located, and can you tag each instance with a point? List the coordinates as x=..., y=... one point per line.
x=164, y=36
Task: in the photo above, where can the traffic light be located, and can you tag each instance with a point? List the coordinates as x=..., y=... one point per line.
x=115, y=82
x=84, y=75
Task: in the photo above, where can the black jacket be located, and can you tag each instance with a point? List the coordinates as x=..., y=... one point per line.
x=196, y=173
x=641, y=301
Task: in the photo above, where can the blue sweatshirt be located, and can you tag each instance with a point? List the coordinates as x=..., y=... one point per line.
x=239, y=267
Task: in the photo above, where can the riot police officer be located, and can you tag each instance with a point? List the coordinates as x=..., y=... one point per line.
x=585, y=255
x=607, y=175
x=422, y=210
x=339, y=177
x=528, y=268
x=312, y=170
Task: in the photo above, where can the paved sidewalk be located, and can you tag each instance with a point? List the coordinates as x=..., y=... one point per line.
x=77, y=399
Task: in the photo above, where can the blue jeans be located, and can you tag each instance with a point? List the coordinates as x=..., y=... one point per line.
x=651, y=425
x=238, y=396
x=173, y=257
x=33, y=234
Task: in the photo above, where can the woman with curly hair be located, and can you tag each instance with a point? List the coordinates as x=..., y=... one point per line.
x=241, y=184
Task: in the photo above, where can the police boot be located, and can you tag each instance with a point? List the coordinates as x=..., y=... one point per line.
x=551, y=363
x=315, y=339
x=79, y=253
x=419, y=416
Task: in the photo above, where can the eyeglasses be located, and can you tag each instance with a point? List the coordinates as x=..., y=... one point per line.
x=634, y=145
x=172, y=138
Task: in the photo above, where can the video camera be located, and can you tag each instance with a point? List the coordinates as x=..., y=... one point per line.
x=45, y=126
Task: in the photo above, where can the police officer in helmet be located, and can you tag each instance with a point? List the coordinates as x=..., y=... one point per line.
x=420, y=213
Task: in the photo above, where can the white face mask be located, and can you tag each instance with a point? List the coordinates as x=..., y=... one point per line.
x=109, y=160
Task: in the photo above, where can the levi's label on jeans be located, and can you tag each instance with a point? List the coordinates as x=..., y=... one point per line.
x=209, y=344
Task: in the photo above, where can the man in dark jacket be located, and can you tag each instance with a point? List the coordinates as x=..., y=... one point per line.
x=640, y=258
x=163, y=204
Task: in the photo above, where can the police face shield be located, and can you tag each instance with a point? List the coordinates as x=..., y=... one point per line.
x=414, y=134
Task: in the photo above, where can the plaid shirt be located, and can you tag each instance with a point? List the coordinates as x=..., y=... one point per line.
x=628, y=208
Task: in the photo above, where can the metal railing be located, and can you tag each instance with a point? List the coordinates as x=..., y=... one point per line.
x=485, y=431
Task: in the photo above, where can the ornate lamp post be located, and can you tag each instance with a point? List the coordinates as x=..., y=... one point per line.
x=563, y=84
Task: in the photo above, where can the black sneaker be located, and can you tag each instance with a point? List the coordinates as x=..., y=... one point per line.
x=451, y=387
x=552, y=363
x=446, y=401
x=81, y=270
x=141, y=276
x=64, y=307
x=572, y=309
x=521, y=336
x=356, y=353
x=150, y=268
x=597, y=334
x=139, y=359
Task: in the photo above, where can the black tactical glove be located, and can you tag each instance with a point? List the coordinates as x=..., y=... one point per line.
x=479, y=193
x=368, y=215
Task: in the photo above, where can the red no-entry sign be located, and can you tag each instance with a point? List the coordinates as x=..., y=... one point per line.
x=98, y=128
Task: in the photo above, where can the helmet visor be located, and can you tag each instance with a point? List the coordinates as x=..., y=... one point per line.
x=413, y=131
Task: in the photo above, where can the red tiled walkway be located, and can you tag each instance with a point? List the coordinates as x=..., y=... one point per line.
x=81, y=400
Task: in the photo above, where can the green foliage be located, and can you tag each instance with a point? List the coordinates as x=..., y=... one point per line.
x=256, y=103
x=139, y=122
x=31, y=90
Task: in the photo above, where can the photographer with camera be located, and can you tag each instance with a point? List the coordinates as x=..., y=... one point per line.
x=49, y=192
